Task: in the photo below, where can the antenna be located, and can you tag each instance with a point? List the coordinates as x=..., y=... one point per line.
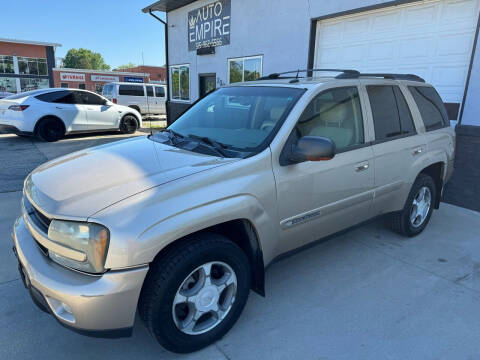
x=148, y=104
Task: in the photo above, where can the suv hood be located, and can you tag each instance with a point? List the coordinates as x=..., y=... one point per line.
x=80, y=184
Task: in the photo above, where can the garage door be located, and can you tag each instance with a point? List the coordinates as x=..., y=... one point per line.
x=433, y=39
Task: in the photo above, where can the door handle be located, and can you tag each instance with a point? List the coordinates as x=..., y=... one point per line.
x=362, y=167
x=58, y=107
x=417, y=151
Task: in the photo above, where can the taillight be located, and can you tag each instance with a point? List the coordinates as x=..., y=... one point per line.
x=18, y=107
x=114, y=100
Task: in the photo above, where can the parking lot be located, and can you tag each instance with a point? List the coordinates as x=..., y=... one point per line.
x=364, y=294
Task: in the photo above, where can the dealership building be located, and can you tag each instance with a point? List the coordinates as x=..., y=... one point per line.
x=26, y=65
x=94, y=80
x=212, y=43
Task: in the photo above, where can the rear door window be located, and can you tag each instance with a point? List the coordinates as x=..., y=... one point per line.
x=59, y=97
x=391, y=115
x=149, y=90
x=431, y=107
x=131, y=90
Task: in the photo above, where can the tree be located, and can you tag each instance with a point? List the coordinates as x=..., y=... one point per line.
x=127, y=66
x=84, y=59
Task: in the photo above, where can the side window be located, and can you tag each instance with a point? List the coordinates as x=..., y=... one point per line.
x=89, y=98
x=391, y=115
x=336, y=114
x=159, y=91
x=131, y=90
x=149, y=90
x=430, y=105
x=406, y=120
x=59, y=97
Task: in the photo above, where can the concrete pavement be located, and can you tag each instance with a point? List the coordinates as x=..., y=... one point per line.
x=365, y=294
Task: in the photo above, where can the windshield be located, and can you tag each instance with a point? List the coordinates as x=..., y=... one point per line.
x=243, y=118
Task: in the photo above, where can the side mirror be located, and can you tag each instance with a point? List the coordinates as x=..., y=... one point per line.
x=312, y=148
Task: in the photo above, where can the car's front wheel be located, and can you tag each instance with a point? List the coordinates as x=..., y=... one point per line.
x=129, y=124
x=195, y=292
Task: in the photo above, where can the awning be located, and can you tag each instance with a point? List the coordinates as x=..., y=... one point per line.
x=166, y=5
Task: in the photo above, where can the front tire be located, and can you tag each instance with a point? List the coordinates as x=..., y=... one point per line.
x=129, y=124
x=415, y=215
x=195, y=292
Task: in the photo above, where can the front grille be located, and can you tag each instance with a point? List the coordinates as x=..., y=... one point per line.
x=40, y=220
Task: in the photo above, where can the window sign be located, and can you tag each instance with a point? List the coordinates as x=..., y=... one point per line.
x=209, y=25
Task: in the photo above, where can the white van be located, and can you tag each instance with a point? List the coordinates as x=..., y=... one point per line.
x=145, y=98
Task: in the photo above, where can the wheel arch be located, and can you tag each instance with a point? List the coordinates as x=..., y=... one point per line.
x=44, y=117
x=243, y=233
x=437, y=172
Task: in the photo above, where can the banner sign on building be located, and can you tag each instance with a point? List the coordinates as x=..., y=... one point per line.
x=72, y=77
x=209, y=25
x=133, y=79
x=105, y=78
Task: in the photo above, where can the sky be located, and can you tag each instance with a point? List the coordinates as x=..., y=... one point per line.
x=117, y=29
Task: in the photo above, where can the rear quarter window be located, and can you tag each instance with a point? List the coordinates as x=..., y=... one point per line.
x=131, y=90
x=62, y=97
x=431, y=107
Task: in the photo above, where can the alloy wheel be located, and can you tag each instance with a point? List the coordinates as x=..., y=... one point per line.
x=420, y=206
x=204, y=298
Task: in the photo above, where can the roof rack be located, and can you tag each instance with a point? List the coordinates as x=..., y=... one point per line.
x=391, y=76
x=297, y=72
x=344, y=74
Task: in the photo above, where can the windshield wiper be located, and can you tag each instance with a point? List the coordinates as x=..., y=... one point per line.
x=174, y=133
x=219, y=147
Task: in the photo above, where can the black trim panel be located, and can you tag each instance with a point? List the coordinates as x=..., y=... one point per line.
x=452, y=110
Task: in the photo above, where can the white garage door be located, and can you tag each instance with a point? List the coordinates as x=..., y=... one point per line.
x=433, y=39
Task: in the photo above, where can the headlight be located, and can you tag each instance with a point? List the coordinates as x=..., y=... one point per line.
x=89, y=238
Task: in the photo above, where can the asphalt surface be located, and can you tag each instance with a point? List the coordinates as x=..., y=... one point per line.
x=365, y=294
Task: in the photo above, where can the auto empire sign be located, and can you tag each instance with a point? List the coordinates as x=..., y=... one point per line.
x=209, y=25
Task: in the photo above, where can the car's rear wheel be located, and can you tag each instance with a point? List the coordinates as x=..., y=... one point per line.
x=418, y=208
x=129, y=124
x=195, y=292
x=51, y=129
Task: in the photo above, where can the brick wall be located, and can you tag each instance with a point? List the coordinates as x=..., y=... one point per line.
x=157, y=73
x=26, y=50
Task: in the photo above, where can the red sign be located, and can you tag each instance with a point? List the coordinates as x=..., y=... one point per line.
x=72, y=77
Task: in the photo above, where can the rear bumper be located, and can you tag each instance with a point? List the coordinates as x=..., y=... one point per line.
x=10, y=129
x=100, y=306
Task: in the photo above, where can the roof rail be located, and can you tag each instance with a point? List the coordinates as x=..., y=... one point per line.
x=308, y=71
x=410, y=77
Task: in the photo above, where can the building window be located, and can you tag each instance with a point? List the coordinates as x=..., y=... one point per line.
x=33, y=84
x=32, y=66
x=6, y=64
x=244, y=69
x=98, y=88
x=64, y=85
x=8, y=84
x=81, y=86
x=180, y=82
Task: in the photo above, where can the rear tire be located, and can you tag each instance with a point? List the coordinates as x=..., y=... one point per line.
x=206, y=310
x=416, y=213
x=51, y=129
x=129, y=124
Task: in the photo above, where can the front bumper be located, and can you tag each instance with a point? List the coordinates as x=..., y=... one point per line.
x=102, y=306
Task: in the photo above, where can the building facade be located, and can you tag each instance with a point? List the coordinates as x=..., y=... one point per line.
x=26, y=65
x=213, y=43
x=157, y=73
x=94, y=80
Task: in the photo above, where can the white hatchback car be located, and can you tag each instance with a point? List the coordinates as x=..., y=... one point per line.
x=52, y=113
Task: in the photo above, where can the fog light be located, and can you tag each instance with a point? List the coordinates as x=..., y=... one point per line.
x=61, y=310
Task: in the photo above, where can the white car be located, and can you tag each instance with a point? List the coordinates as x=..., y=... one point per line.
x=52, y=113
x=4, y=94
x=145, y=98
